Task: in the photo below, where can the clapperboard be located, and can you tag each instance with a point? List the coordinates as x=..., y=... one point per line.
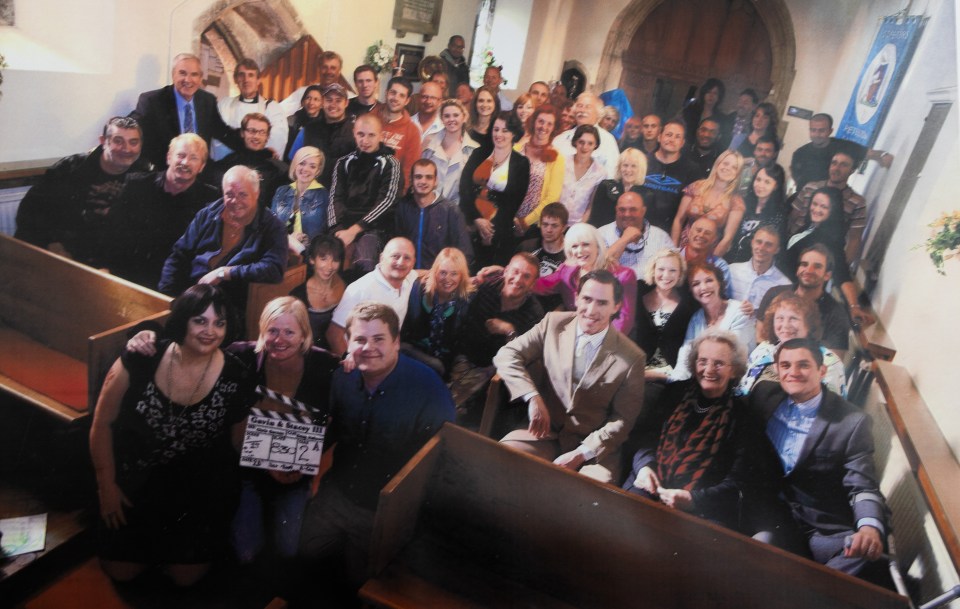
x=283, y=442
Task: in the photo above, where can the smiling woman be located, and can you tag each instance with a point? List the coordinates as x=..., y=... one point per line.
x=160, y=444
x=706, y=459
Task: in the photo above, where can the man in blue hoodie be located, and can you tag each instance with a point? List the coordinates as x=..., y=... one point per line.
x=428, y=220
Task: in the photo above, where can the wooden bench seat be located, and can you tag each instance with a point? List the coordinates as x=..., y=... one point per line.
x=35, y=368
x=63, y=326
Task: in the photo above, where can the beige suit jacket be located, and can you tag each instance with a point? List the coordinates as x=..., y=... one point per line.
x=598, y=413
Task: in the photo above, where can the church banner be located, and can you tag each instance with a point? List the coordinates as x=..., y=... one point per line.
x=882, y=74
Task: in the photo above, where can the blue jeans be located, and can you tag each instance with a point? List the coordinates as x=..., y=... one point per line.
x=268, y=508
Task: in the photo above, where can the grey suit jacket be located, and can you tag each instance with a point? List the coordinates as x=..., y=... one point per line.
x=834, y=483
x=601, y=411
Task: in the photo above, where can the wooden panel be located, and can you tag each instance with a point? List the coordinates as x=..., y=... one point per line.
x=592, y=545
x=930, y=456
x=687, y=41
x=63, y=324
x=400, y=503
x=295, y=68
x=259, y=294
x=60, y=303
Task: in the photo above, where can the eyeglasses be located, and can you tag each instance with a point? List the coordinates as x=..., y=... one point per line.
x=711, y=363
x=255, y=131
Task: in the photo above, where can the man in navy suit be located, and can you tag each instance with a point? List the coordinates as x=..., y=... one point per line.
x=826, y=449
x=181, y=108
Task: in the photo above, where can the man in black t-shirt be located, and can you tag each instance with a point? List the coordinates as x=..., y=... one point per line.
x=668, y=173
x=502, y=309
x=66, y=211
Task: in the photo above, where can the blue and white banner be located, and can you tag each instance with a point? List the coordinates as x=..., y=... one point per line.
x=881, y=76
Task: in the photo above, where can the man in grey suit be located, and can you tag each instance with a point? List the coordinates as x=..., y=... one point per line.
x=582, y=381
x=826, y=449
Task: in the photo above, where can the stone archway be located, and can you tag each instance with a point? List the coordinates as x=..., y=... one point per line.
x=263, y=30
x=776, y=18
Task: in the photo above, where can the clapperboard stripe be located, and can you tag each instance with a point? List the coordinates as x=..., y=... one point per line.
x=281, y=416
x=292, y=403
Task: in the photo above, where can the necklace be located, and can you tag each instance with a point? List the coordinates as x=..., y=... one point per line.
x=177, y=356
x=496, y=163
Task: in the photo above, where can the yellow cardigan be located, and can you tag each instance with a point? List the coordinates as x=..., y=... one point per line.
x=552, y=185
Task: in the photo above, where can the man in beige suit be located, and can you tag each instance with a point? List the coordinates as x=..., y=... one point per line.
x=582, y=381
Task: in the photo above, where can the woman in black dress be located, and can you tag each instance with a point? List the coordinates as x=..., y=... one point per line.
x=160, y=443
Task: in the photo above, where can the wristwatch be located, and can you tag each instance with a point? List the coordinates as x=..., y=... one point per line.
x=222, y=274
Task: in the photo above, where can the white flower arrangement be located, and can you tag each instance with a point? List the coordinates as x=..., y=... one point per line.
x=380, y=56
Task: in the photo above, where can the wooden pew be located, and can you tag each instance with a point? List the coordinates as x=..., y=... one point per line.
x=471, y=523
x=259, y=294
x=62, y=324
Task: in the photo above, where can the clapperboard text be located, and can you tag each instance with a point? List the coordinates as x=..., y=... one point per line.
x=282, y=442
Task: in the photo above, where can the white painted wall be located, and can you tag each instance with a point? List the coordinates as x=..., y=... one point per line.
x=70, y=70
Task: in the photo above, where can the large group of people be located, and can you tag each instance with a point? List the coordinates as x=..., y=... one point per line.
x=659, y=305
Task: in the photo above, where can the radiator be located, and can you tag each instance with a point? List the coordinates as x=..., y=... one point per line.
x=9, y=202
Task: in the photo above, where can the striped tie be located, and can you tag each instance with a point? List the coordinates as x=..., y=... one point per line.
x=188, y=126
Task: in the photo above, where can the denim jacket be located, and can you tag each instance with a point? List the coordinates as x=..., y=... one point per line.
x=313, y=207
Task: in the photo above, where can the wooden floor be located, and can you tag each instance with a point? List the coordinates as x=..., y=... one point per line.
x=45, y=468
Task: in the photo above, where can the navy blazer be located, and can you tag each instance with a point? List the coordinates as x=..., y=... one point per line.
x=834, y=483
x=156, y=112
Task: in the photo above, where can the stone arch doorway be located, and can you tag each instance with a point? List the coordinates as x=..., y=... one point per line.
x=656, y=50
x=263, y=30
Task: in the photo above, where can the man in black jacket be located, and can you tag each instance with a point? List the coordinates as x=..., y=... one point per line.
x=363, y=194
x=254, y=154
x=182, y=107
x=428, y=220
x=66, y=211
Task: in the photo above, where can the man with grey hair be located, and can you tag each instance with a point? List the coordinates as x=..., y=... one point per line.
x=330, y=66
x=154, y=209
x=66, y=211
x=183, y=107
x=230, y=243
x=587, y=112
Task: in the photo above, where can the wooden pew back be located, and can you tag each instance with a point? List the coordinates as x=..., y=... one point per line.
x=65, y=324
x=61, y=303
x=590, y=544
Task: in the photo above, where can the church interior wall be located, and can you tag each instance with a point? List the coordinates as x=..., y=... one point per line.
x=91, y=62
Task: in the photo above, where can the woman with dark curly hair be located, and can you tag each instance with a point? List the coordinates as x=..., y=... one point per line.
x=160, y=444
x=493, y=184
x=763, y=121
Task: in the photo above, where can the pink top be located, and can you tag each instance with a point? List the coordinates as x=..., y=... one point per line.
x=564, y=282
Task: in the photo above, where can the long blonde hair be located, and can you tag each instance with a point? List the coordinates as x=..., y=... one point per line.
x=455, y=256
x=707, y=184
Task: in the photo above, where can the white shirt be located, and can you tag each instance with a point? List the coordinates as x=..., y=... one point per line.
x=607, y=154
x=374, y=286
x=637, y=254
x=748, y=285
x=435, y=127
x=233, y=109
x=449, y=169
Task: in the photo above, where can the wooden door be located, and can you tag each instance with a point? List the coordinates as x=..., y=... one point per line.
x=684, y=42
x=295, y=68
